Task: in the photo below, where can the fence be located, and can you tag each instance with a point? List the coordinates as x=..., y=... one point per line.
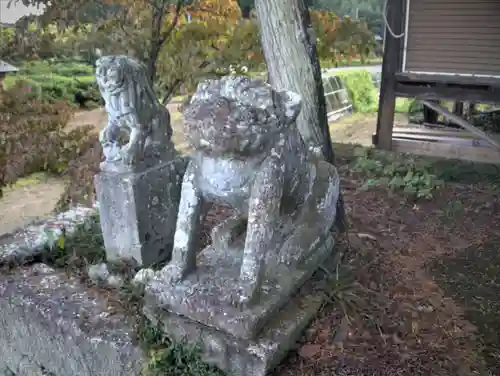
x=336, y=96
x=376, y=78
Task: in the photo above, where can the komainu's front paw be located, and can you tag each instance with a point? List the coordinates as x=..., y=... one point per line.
x=173, y=273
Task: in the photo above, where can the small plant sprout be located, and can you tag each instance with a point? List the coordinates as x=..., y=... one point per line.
x=412, y=175
x=55, y=236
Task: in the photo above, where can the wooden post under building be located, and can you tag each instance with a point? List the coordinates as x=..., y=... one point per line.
x=391, y=64
x=425, y=58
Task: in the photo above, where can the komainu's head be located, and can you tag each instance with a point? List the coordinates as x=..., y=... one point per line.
x=238, y=115
x=114, y=73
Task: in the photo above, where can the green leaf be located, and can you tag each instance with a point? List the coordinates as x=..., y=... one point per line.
x=368, y=184
x=409, y=176
x=425, y=193
x=417, y=179
x=397, y=182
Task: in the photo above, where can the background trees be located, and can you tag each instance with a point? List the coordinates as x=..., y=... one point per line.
x=179, y=40
x=368, y=11
x=148, y=29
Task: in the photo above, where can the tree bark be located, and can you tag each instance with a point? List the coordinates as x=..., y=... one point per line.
x=292, y=64
x=289, y=48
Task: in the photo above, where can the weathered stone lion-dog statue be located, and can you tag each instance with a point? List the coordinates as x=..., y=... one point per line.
x=132, y=107
x=249, y=155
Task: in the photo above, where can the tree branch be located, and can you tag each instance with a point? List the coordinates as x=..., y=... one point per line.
x=121, y=24
x=177, y=83
x=166, y=33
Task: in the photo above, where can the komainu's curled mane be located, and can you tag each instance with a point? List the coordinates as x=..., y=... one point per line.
x=239, y=115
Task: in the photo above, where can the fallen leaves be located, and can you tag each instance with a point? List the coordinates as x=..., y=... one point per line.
x=309, y=350
x=406, y=324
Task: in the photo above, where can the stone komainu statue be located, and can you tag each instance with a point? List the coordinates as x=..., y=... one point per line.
x=133, y=107
x=249, y=155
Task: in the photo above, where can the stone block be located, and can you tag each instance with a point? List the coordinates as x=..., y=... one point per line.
x=25, y=244
x=139, y=210
x=51, y=324
x=245, y=341
x=250, y=357
x=206, y=295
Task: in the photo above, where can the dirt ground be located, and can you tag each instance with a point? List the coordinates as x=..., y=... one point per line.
x=419, y=290
x=30, y=199
x=359, y=128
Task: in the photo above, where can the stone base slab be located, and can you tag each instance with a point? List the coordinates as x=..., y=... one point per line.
x=51, y=324
x=139, y=210
x=240, y=357
x=205, y=296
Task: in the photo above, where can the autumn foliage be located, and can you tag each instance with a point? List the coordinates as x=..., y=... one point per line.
x=34, y=136
x=181, y=41
x=341, y=39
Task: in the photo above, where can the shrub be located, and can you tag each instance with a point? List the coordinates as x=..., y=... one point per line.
x=412, y=175
x=33, y=135
x=77, y=91
x=70, y=69
x=80, y=173
x=72, y=82
x=59, y=68
x=363, y=94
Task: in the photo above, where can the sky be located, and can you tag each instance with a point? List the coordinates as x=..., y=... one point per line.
x=16, y=11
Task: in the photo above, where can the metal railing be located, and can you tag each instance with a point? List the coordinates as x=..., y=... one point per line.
x=336, y=96
x=376, y=78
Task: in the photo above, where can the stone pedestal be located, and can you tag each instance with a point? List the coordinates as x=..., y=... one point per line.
x=138, y=211
x=243, y=341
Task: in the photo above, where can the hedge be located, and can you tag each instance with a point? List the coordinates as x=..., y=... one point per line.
x=74, y=83
x=60, y=68
x=35, y=137
x=364, y=94
x=71, y=82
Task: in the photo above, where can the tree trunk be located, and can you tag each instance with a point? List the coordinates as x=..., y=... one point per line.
x=292, y=64
x=289, y=47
